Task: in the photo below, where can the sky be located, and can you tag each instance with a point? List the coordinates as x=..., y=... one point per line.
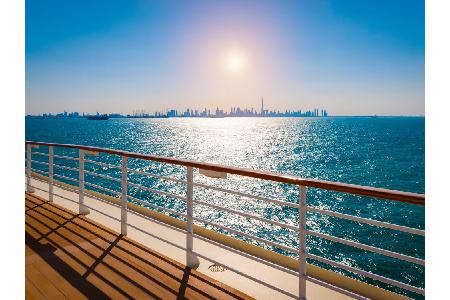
x=350, y=57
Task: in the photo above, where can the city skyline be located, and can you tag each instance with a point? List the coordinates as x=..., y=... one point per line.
x=355, y=58
x=195, y=112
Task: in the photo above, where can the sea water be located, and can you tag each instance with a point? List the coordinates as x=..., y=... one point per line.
x=384, y=152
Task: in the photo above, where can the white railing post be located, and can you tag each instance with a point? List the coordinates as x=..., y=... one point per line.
x=302, y=243
x=50, y=173
x=191, y=260
x=124, y=200
x=83, y=210
x=29, y=187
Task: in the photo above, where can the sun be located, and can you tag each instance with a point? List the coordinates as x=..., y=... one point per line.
x=235, y=62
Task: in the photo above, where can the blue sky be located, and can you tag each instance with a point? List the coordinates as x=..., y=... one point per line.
x=351, y=57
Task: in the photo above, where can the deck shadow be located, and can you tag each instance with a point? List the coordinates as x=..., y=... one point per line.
x=99, y=262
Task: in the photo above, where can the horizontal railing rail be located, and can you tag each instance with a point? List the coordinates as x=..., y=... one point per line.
x=279, y=202
x=367, y=221
x=124, y=198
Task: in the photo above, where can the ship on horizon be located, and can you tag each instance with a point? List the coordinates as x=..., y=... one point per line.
x=98, y=117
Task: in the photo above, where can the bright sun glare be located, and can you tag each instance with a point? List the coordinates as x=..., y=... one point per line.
x=235, y=62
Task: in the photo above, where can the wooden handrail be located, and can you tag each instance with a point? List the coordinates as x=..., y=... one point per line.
x=400, y=196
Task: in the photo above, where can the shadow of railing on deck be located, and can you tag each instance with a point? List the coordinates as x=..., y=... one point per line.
x=53, y=233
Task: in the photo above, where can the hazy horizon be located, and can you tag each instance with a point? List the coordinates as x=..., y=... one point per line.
x=348, y=57
x=151, y=113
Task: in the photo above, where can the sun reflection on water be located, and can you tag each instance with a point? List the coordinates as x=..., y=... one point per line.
x=346, y=150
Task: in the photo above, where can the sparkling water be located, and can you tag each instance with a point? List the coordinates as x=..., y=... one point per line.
x=385, y=152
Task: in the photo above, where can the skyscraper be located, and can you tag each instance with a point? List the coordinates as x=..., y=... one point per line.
x=262, y=106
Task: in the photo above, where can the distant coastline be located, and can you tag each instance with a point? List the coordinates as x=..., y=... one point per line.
x=166, y=117
x=114, y=116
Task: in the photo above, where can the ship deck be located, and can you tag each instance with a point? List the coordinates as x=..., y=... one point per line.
x=71, y=256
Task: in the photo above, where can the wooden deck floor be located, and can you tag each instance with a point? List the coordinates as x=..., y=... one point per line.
x=70, y=256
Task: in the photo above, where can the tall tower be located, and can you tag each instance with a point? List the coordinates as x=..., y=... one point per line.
x=262, y=106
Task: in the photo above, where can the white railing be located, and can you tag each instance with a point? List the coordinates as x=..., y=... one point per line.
x=191, y=255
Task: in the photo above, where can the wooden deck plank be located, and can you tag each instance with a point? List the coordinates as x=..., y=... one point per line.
x=123, y=281
x=82, y=259
x=58, y=227
x=168, y=276
x=36, y=227
x=63, y=237
x=96, y=229
x=63, y=285
x=68, y=267
x=78, y=234
x=28, y=251
x=108, y=288
x=158, y=286
x=31, y=291
x=78, y=225
x=45, y=286
x=60, y=242
x=32, y=231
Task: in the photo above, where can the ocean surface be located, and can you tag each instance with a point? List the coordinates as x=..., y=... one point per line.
x=385, y=152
